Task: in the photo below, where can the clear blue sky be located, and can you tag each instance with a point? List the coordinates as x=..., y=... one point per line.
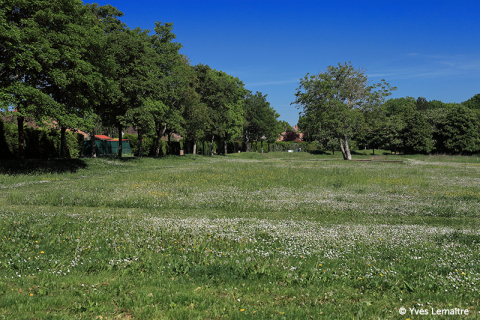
x=424, y=48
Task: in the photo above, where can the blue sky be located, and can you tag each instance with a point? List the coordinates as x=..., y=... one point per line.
x=424, y=48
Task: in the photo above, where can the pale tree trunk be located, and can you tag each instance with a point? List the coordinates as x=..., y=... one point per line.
x=225, y=146
x=195, y=146
x=140, y=138
x=21, y=138
x=63, y=142
x=246, y=143
x=261, y=144
x=120, y=149
x=347, y=149
x=93, y=149
x=342, y=148
x=211, y=145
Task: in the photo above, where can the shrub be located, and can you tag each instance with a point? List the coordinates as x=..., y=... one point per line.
x=40, y=143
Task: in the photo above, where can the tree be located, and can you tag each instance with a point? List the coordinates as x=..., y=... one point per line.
x=417, y=134
x=196, y=122
x=337, y=98
x=223, y=95
x=373, y=130
x=173, y=83
x=459, y=133
x=107, y=19
x=75, y=80
x=134, y=78
x=41, y=44
x=473, y=103
x=422, y=104
x=396, y=111
x=260, y=119
x=142, y=118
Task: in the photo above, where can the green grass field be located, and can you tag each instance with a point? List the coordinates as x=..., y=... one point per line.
x=277, y=235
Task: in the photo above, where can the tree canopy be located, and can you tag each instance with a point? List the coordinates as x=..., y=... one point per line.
x=334, y=102
x=79, y=66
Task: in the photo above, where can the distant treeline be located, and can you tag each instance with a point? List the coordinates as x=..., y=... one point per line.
x=410, y=125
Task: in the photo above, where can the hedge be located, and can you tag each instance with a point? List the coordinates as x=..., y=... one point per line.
x=40, y=143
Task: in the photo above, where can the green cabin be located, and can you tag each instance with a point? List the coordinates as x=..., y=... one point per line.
x=106, y=146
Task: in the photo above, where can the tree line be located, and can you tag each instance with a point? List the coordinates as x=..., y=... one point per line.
x=79, y=67
x=340, y=106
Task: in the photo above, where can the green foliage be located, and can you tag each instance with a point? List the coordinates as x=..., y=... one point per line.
x=333, y=102
x=40, y=143
x=459, y=132
x=223, y=95
x=147, y=145
x=289, y=145
x=473, y=103
x=417, y=134
x=97, y=70
x=204, y=148
x=260, y=119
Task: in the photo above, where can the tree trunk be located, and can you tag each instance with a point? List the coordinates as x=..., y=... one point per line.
x=140, y=138
x=203, y=147
x=373, y=153
x=344, y=154
x=21, y=138
x=347, y=149
x=169, y=150
x=93, y=149
x=120, y=147
x=63, y=142
x=195, y=146
x=160, y=133
x=261, y=144
x=225, y=146
x=333, y=150
x=211, y=145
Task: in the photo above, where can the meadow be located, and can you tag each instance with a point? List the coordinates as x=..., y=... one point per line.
x=242, y=236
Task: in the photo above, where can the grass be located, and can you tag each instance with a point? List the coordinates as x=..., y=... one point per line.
x=276, y=235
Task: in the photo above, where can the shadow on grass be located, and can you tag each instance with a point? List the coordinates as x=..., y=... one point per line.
x=319, y=152
x=40, y=166
x=359, y=153
x=369, y=152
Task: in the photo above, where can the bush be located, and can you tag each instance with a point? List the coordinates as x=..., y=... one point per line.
x=288, y=145
x=148, y=144
x=40, y=143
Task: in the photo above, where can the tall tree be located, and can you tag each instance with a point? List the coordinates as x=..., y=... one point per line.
x=459, y=133
x=107, y=19
x=223, y=94
x=40, y=43
x=75, y=80
x=260, y=119
x=337, y=99
x=417, y=134
x=172, y=82
x=134, y=76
